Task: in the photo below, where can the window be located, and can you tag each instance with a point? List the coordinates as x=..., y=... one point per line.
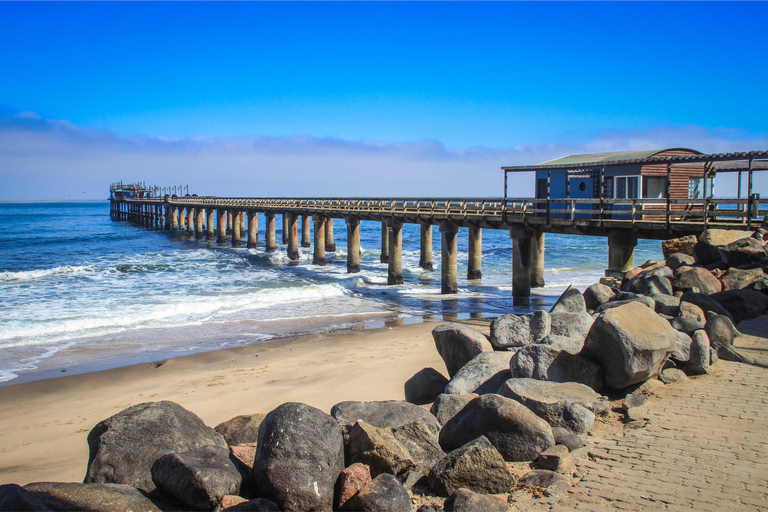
x=655, y=187
x=627, y=187
x=696, y=188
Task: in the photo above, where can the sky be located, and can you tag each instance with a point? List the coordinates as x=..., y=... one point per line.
x=363, y=99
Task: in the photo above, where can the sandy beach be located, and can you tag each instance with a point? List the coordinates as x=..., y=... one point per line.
x=44, y=424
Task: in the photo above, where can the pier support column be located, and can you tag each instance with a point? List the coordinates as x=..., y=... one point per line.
x=537, y=260
x=175, y=218
x=395, y=269
x=222, y=226
x=521, y=265
x=475, y=256
x=183, y=219
x=242, y=224
x=319, y=256
x=353, y=245
x=190, y=220
x=210, y=224
x=230, y=221
x=621, y=252
x=330, y=245
x=293, y=237
x=448, y=258
x=425, y=257
x=253, y=229
x=306, y=240
x=285, y=228
x=236, y=228
x=384, y=243
x=270, y=232
x=199, y=223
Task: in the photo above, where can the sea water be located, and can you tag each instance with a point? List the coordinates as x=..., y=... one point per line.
x=80, y=291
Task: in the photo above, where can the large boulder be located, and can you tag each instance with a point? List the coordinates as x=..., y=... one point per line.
x=679, y=259
x=710, y=256
x=571, y=301
x=631, y=343
x=686, y=325
x=699, y=362
x=299, y=457
x=421, y=442
x=569, y=405
x=740, y=255
x=707, y=304
x=457, y=344
x=544, y=362
x=124, y=446
x=94, y=497
x=243, y=429
x=682, y=245
x=15, y=498
x=464, y=500
x=736, y=279
x=640, y=299
x=477, y=466
x=742, y=304
x=597, y=295
x=446, y=406
x=682, y=352
x=512, y=428
x=351, y=480
x=483, y=374
x=510, y=331
x=382, y=494
x=696, y=278
x=382, y=414
x=720, y=330
x=723, y=236
x=424, y=386
x=379, y=449
x=691, y=311
x=570, y=325
x=570, y=345
x=198, y=479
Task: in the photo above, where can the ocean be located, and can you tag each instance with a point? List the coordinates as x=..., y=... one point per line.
x=80, y=292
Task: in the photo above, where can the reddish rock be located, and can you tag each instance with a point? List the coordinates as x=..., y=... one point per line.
x=351, y=480
x=692, y=312
x=230, y=500
x=698, y=279
x=245, y=453
x=683, y=245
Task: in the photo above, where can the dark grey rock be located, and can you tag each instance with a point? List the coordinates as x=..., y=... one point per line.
x=631, y=343
x=663, y=300
x=542, y=478
x=446, y=406
x=682, y=350
x=254, y=505
x=124, y=446
x=198, y=479
x=300, y=455
x=94, y=497
x=380, y=450
x=707, y=254
x=543, y=362
x=685, y=325
x=457, y=344
x=570, y=325
x=634, y=400
x=483, y=374
x=242, y=429
x=736, y=279
x=570, y=345
x=15, y=498
x=382, y=414
x=424, y=386
x=382, y=494
x=597, y=295
x=569, y=405
x=510, y=331
x=742, y=304
x=422, y=444
x=720, y=329
x=571, y=301
x=706, y=303
x=554, y=458
x=655, y=285
x=477, y=466
x=464, y=500
x=679, y=259
x=512, y=428
x=567, y=438
x=698, y=364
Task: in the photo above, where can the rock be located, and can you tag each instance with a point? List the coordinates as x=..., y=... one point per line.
x=760, y=234
x=198, y=479
x=742, y=304
x=671, y=375
x=241, y=429
x=15, y=498
x=720, y=329
x=464, y=500
x=758, y=286
x=648, y=387
x=570, y=345
x=597, y=295
x=693, y=312
x=611, y=282
x=744, y=256
x=424, y=386
x=421, y=442
x=543, y=362
x=231, y=500
x=512, y=428
x=706, y=303
x=446, y=406
x=682, y=348
x=631, y=344
x=696, y=277
x=570, y=325
x=634, y=400
x=457, y=344
x=483, y=374
x=722, y=236
x=569, y=405
x=124, y=446
x=679, y=259
x=382, y=494
x=664, y=300
x=567, y=438
x=682, y=245
x=654, y=285
x=571, y=301
x=641, y=299
x=542, y=478
x=508, y=331
x=698, y=364
x=685, y=325
x=244, y=454
x=382, y=414
x=94, y=497
x=554, y=458
x=707, y=255
x=300, y=455
x=255, y=505
x=477, y=466
x=351, y=480
x=736, y=279
x=379, y=449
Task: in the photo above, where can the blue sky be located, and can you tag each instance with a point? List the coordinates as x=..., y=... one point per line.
x=488, y=84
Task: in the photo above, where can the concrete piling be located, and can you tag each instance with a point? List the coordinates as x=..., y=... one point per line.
x=537, y=260
x=395, y=263
x=425, y=256
x=306, y=240
x=190, y=220
x=293, y=237
x=230, y=221
x=319, y=256
x=353, y=245
x=199, y=223
x=621, y=252
x=236, y=217
x=285, y=228
x=521, y=271
x=384, y=243
x=270, y=232
x=183, y=219
x=222, y=226
x=330, y=245
x=448, y=256
x=210, y=224
x=175, y=218
x=253, y=229
x=475, y=256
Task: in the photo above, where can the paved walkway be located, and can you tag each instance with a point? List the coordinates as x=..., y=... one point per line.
x=704, y=448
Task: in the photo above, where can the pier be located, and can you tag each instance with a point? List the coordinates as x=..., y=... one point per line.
x=622, y=221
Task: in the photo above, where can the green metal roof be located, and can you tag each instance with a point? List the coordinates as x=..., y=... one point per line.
x=606, y=157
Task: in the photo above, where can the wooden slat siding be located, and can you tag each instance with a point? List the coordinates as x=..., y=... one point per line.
x=678, y=182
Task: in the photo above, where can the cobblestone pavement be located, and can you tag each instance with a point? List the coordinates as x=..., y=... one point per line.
x=704, y=448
